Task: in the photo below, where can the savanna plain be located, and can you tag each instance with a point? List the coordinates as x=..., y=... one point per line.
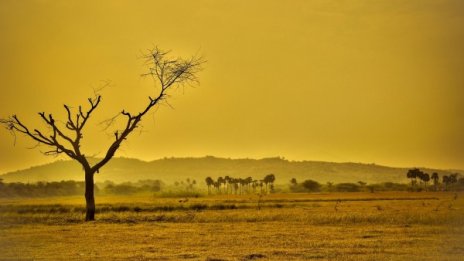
x=298, y=226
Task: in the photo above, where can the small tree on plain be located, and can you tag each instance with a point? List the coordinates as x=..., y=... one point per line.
x=293, y=182
x=311, y=185
x=66, y=139
x=362, y=184
x=330, y=186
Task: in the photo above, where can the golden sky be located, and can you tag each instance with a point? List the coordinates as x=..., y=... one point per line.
x=363, y=81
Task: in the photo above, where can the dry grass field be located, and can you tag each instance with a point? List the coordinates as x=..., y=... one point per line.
x=334, y=226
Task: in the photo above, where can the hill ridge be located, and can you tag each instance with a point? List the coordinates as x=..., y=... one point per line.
x=173, y=169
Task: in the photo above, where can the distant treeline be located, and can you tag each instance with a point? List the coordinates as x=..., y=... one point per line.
x=314, y=186
x=128, y=188
x=42, y=189
x=230, y=185
x=71, y=188
x=420, y=181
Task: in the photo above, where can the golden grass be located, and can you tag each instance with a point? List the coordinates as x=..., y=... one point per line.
x=338, y=226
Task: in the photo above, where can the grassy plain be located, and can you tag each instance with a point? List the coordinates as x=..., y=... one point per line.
x=333, y=226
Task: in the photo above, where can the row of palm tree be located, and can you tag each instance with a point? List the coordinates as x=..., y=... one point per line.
x=189, y=184
x=416, y=173
x=231, y=185
x=451, y=179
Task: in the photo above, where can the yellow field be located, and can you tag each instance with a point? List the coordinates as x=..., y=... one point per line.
x=335, y=226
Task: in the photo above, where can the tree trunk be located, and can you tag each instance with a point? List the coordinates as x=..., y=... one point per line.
x=89, y=196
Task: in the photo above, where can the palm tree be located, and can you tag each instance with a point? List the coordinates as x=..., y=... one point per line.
x=242, y=185
x=190, y=184
x=446, y=181
x=451, y=179
x=248, y=181
x=194, y=182
x=254, y=185
x=269, y=179
x=227, y=182
x=261, y=183
x=217, y=186
x=426, y=178
x=209, y=181
x=413, y=174
x=235, y=186
x=221, y=181
x=435, y=180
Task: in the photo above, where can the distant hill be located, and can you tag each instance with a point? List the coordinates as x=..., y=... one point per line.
x=175, y=169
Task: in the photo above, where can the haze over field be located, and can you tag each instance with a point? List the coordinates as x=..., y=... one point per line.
x=171, y=170
x=342, y=81
x=336, y=129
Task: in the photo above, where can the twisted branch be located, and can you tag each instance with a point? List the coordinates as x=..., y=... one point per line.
x=167, y=71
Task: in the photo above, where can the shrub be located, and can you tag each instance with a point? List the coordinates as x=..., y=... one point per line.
x=306, y=186
x=311, y=185
x=347, y=187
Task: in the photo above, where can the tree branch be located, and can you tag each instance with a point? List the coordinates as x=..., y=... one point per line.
x=13, y=124
x=56, y=135
x=169, y=72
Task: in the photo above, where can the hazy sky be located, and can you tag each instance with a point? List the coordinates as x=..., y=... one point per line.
x=364, y=81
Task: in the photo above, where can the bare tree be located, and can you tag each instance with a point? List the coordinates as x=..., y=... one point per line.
x=66, y=138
